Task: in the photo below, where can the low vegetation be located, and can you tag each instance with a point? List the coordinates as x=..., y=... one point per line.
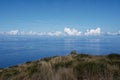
x=71, y=67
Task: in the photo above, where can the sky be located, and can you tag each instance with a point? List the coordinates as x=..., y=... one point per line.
x=68, y=16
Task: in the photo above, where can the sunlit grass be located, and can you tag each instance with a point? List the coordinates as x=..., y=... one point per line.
x=72, y=67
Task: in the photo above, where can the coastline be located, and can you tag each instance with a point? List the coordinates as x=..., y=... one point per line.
x=71, y=67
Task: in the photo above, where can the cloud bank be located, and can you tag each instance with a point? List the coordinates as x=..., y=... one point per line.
x=66, y=32
x=72, y=32
x=112, y=33
x=57, y=33
x=13, y=32
x=96, y=31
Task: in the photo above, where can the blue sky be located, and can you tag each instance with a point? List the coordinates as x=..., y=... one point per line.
x=55, y=15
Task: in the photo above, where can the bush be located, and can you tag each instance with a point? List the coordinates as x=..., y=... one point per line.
x=113, y=56
x=91, y=70
x=48, y=58
x=83, y=55
x=28, y=62
x=63, y=64
x=32, y=69
x=73, y=52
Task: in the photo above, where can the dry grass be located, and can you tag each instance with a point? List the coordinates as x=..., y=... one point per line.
x=71, y=67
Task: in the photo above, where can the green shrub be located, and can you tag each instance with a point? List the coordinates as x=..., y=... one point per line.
x=73, y=52
x=90, y=69
x=83, y=55
x=63, y=64
x=113, y=56
x=48, y=58
x=28, y=62
x=32, y=69
x=116, y=75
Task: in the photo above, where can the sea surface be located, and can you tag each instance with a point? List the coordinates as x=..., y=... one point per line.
x=20, y=49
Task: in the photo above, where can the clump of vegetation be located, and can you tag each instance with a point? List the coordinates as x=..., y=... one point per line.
x=91, y=71
x=32, y=69
x=73, y=52
x=62, y=64
x=28, y=62
x=83, y=55
x=113, y=56
x=72, y=67
x=48, y=58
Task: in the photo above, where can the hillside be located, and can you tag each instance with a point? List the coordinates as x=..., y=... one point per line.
x=71, y=67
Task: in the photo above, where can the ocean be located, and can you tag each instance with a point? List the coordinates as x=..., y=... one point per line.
x=20, y=49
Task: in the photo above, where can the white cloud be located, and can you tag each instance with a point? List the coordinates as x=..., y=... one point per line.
x=41, y=33
x=22, y=33
x=119, y=32
x=110, y=33
x=57, y=33
x=32, y=33
x=96, y=31
x=67, y=32
x=72, y=32
x=2, y=33
x=113, y=33
x=13, y=32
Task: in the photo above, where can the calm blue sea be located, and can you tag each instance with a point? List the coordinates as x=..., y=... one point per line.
x=19, y=49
